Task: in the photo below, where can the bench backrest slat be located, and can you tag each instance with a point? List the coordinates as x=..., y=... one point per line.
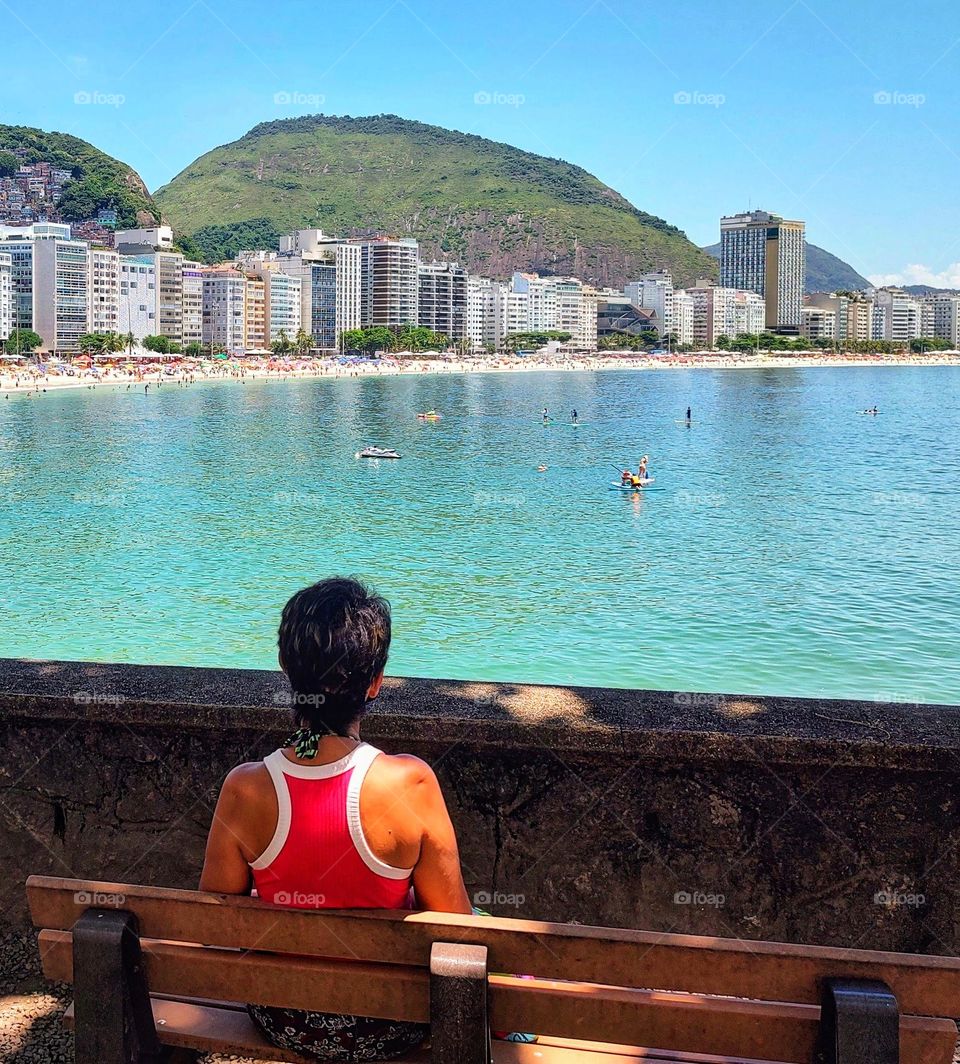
x=766, y=971
x=689, y=1023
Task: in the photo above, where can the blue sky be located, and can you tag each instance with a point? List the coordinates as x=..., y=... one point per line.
x=840, y=113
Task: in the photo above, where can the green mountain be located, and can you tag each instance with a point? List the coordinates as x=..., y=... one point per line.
x=98, y=179
x=490, y=206
x=825, y=272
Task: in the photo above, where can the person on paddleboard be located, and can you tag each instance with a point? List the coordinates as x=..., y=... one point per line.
x=689, y=419
x=573, y=416
x=642, y=470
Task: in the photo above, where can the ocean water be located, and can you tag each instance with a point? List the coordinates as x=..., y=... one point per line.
x=789, y=544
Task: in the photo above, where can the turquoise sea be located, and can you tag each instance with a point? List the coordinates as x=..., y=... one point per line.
x=789, y=545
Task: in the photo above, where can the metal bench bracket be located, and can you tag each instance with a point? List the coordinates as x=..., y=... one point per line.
x=113, y=1015
x=859, y=1023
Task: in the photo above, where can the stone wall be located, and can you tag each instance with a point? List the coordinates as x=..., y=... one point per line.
x=791, y=819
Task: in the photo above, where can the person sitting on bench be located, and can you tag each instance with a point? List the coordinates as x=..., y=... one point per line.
x=330, y=822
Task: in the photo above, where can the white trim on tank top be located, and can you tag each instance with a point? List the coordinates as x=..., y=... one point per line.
x=365, y=757
x=359, y=759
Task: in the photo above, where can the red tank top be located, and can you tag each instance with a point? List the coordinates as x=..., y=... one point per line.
x=318, y=857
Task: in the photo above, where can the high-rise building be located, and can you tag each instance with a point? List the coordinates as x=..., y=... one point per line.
x=255, y=316
x=515, y=307
x=764, y=253
x=225, y=309
x=721, y=311
x=103, y=291
x=169, y=268
x=896, y=315
x=940, y=318
x=443, y=299
x=50, y=281
x=654, y=291
x=682, y=327
x=484, y=312
x=821, y=323
x=192, y=317
x=282, y=292
x=329, y=270
x=6, y=295
x=390, y=282
x=558, y=304
x=138, y=296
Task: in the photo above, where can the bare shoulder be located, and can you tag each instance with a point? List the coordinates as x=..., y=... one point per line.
x=247, y=781
x=402, y=771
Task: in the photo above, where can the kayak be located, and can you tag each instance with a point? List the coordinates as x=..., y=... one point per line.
x=633, y=487
x=376, y=452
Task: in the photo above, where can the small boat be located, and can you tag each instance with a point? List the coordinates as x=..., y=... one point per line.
x=430, y=415
x=633, y=487
x=376, y=452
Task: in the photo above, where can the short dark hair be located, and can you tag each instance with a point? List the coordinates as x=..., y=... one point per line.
x=334, y=640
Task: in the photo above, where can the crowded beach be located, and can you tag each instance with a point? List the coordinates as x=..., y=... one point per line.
x=34, y=375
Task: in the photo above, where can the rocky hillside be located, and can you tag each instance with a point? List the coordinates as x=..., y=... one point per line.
x=97, y=180
x=488, y=205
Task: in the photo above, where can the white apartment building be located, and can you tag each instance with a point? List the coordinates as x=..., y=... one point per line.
x=143, y=241
x=192, y=316
x=103, y=286
x=50, y=279
x=854, y=314
x=225, y=309
x=485, y=313
x=654, y=291
x=443, y=299
x=558, y=304
x=330, y=273
x=6, y=295
x=682, y=327
x=138, y=296
x=515, y=307
x=764, y=253
x=284, y=305
x=896, y=315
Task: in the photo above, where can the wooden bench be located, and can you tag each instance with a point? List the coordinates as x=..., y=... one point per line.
x=155, y=968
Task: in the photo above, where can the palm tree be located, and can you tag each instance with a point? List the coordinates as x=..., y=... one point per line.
x=303, y=342
x=130, y=340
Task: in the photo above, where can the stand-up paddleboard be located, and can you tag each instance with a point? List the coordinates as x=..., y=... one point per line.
x=682, y=421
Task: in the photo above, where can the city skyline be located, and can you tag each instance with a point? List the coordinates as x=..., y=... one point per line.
x=704, y=94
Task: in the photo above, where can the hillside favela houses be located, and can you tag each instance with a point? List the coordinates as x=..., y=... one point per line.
x=64, y=281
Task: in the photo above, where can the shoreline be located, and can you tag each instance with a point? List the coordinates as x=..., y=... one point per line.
x=28, y=381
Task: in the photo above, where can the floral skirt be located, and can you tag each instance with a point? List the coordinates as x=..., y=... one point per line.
x=328, y=1036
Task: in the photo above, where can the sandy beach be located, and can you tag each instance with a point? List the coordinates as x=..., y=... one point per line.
x=29, y=379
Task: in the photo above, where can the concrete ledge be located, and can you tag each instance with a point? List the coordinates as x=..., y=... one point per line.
x=678, y=724
x=739, y=816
